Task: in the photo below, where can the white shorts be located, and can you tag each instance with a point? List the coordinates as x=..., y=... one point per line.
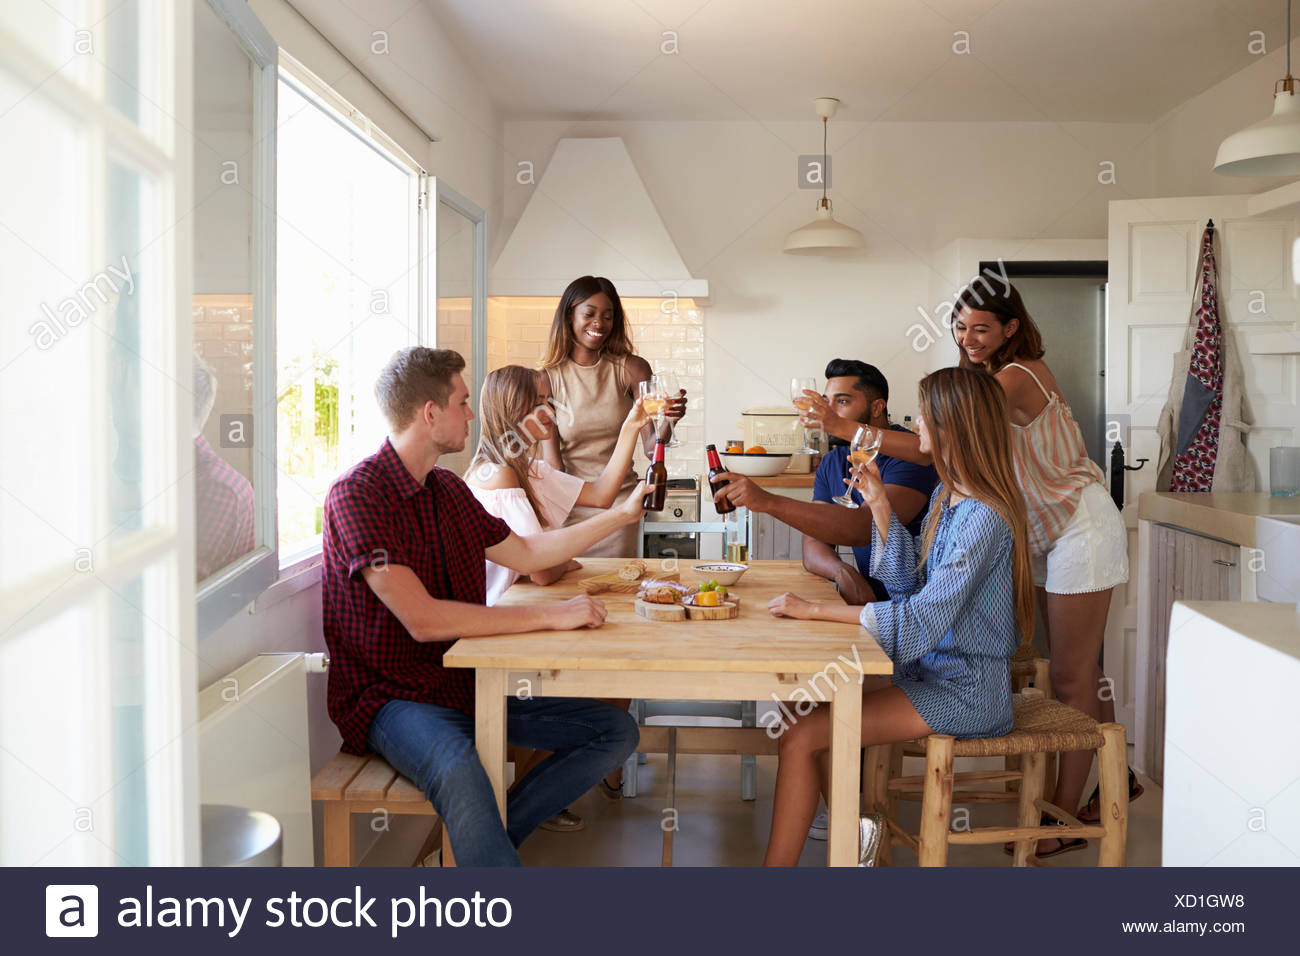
x=1092, y=552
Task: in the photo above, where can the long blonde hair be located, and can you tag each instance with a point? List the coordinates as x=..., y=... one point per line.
x=966, y=416
x=507, y=403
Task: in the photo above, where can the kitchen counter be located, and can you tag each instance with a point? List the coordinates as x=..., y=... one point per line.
x=1192, y=547
x=1273, y=625
x=786, y=481
x=1229, y=789
x=1228, y=516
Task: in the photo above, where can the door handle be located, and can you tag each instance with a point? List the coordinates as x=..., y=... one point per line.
x=1225, y=564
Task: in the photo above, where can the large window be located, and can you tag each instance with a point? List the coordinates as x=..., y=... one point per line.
x=348, y=293
x=96, y=585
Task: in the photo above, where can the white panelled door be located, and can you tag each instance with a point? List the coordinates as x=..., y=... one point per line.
x=1153, y=252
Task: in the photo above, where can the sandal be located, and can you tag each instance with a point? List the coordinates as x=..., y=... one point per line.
x=608, y=792
x=1091, y=812
x=1062, y=845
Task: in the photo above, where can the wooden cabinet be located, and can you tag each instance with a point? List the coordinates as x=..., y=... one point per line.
x=773, y=540
x=1182, y=566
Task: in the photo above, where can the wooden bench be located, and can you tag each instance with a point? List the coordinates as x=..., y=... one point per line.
x=349, y=785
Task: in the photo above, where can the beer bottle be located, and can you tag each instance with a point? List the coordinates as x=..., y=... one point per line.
x=724, y=506
x=657, y=475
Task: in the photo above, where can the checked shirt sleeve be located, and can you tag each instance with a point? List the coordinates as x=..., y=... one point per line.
x=360, y=525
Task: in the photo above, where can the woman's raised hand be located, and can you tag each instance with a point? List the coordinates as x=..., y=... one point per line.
x=866, y=479
x=676, y=407
x=630, y=508
x=818, y=410
x=636, y=417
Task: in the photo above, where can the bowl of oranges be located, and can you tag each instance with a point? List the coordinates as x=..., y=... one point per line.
x=754, y=461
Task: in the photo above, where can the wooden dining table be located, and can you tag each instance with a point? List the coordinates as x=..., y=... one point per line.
x=754, y=657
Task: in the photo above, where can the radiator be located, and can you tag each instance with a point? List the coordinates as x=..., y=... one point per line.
x=253, y=744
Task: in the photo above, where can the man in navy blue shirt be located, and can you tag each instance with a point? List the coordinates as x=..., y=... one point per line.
x=856, y=393
x=859, y=393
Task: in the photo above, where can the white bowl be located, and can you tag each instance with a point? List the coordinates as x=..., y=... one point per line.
x=756, y=466
x=724, y=572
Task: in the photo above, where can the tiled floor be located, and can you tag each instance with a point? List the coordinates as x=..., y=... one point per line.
x=716, y=828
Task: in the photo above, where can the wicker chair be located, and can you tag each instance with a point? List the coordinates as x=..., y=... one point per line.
x=1042, y=726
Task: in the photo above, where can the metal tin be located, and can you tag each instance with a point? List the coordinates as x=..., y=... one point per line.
x=234, y=836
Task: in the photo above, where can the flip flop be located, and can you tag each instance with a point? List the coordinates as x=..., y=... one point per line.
x=1091, y=812
x=1062, y=845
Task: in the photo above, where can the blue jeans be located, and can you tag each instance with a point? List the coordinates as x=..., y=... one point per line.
x=433, y=746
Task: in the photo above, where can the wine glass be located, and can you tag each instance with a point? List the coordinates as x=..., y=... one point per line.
x=653, y=399
x=668, y=384
x=803, y=403
x=862, y=450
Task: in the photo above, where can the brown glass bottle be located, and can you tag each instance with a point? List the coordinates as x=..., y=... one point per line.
x=657, y=475
x=723, y=506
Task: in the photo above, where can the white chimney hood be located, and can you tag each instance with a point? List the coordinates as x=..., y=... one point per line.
x=590, y=214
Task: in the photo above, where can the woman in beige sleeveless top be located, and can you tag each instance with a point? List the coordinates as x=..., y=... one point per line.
x=593, y=376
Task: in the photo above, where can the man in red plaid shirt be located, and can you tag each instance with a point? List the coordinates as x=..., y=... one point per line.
x=405, y=544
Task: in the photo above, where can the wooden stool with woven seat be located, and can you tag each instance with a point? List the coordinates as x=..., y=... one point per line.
x=1042, y=726
x=1028, y=668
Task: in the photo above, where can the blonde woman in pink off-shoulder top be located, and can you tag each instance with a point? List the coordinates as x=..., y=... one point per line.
x=516, y=415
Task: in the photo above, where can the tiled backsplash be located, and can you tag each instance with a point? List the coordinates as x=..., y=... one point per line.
x=671, y=341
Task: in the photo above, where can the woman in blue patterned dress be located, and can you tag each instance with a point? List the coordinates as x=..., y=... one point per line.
x=963, y=596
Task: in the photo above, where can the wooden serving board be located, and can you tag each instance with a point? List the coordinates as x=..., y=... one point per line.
x=601, y=583
x=723, y=612
x=660, y=612
x=681, y=612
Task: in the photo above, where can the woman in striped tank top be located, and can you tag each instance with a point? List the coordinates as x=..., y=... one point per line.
x=1077, y=536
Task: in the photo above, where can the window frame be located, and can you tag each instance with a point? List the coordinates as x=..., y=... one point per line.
x=224, y=594
x=300, y=567
x=444, y=194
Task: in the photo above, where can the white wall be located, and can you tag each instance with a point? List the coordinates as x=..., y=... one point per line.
x=1181, y=148
x=726, y=193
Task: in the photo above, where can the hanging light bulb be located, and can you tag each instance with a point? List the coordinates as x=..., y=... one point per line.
x=1270, y=147
x=824, y=236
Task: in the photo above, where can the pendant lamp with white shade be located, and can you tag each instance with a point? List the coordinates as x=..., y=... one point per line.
x=824, y=236
x=1270, y=147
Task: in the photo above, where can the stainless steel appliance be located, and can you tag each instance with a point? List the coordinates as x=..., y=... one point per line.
x=661, y=536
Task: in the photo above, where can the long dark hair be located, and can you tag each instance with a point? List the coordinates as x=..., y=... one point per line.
x=619, y=341
x=1025, y=343
x=965, y=412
